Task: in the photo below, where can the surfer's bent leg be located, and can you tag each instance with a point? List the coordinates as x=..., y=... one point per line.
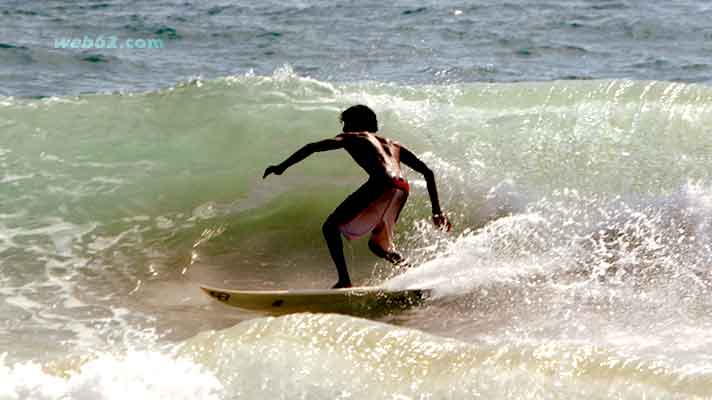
x=338, y=223
x=381, y=242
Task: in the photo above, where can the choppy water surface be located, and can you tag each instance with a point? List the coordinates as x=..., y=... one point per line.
x=402, y=41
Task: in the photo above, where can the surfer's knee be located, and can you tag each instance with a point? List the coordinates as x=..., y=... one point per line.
x=329, y=228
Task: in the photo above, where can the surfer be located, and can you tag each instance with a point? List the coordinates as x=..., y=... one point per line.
x=375, y=206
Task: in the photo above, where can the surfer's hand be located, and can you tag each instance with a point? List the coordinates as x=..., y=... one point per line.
x=273, y=169
x=441, y=221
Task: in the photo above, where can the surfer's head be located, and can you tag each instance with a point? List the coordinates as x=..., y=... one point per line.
x=359, y=118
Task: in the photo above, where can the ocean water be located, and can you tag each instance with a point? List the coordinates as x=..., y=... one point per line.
x=571, y=147
x=403, y=41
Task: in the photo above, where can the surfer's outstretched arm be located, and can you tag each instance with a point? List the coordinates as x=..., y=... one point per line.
x=409, y=159
x=304, y=152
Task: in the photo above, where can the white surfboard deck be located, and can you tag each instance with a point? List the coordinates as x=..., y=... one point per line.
x=354, y=301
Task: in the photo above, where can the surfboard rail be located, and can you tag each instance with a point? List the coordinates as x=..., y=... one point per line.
x=352, y=301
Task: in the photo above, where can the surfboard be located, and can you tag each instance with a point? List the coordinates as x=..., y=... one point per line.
x=365, y=300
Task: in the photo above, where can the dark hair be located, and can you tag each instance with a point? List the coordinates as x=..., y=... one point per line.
x=359, y=118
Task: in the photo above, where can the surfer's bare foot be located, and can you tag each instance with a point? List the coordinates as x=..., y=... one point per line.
x=341, y=285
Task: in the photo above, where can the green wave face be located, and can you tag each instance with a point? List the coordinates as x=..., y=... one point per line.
x=174, y=166
x=180, y=148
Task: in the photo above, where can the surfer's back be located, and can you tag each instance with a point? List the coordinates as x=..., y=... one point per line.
x=378, y=156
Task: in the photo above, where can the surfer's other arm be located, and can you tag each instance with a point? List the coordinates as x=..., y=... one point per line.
x=409, y=159
x=304, y=152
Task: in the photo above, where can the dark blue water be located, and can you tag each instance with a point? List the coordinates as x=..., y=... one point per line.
x=403, y=41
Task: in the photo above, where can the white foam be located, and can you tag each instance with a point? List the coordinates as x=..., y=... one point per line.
x=326, y=356
x=136, y=375
x=474, y=259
